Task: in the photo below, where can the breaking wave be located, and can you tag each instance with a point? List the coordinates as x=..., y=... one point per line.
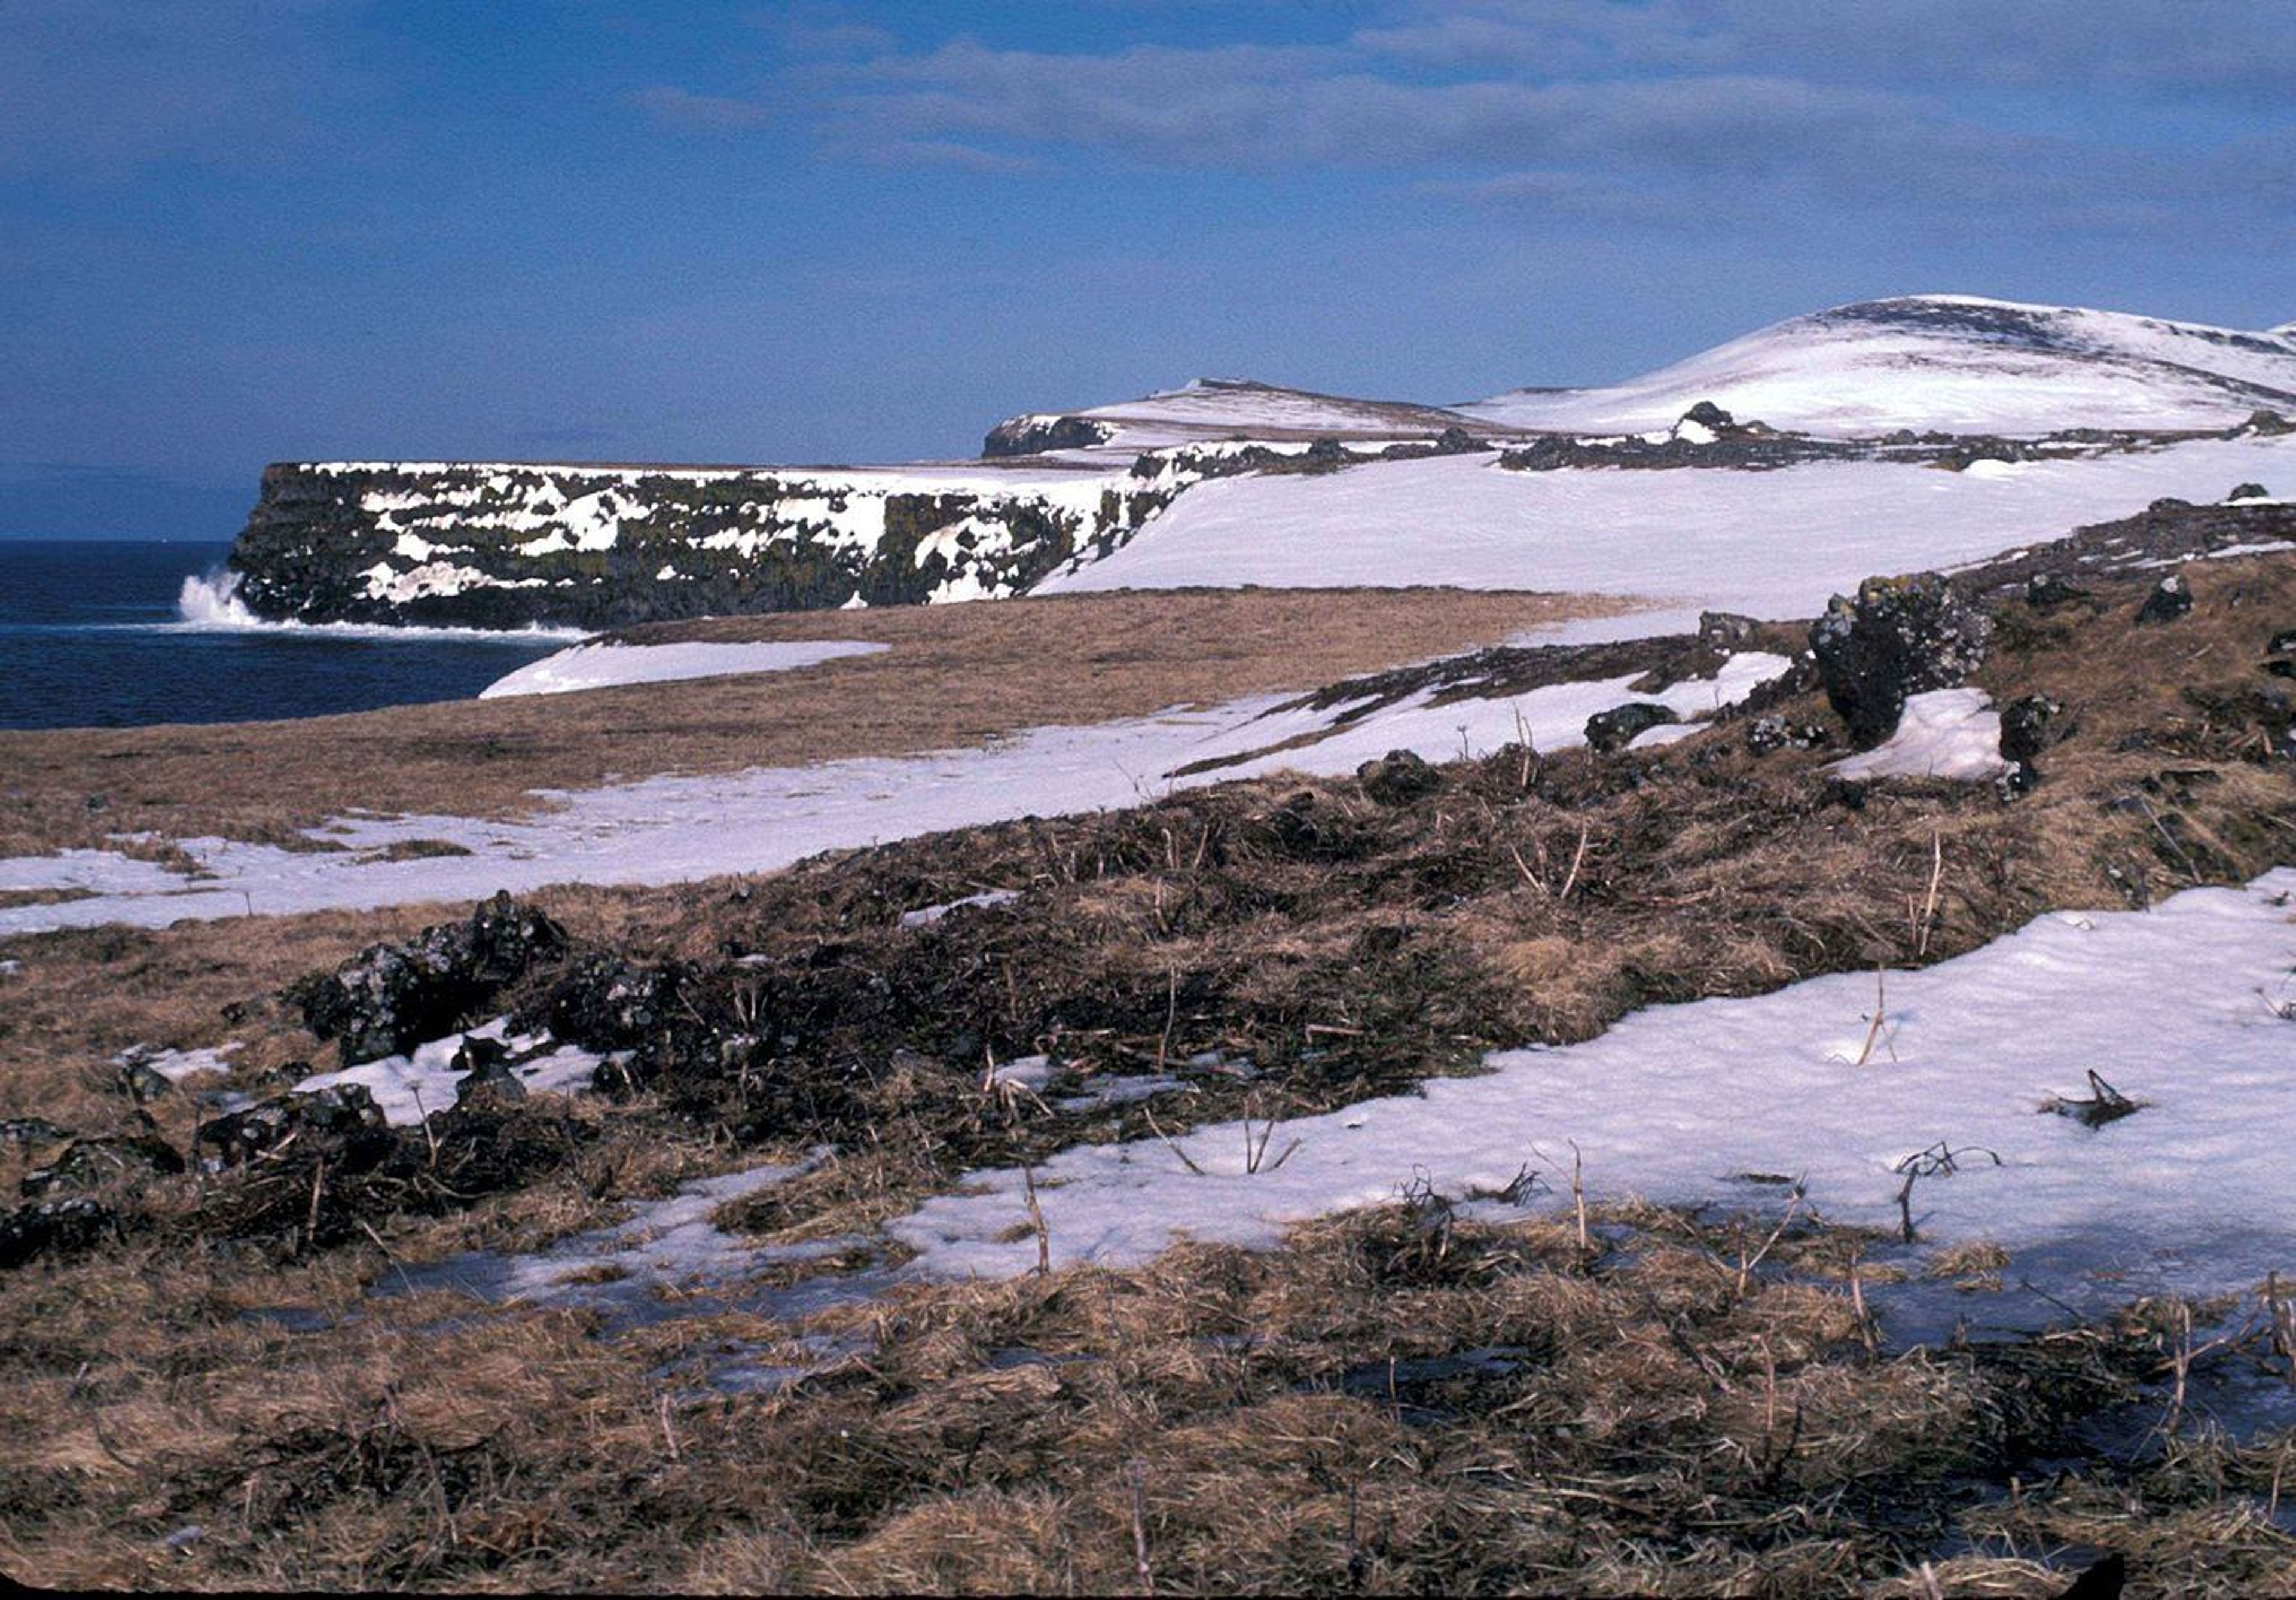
x=209, y=603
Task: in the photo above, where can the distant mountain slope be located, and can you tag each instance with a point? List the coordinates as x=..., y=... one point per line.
x=1214, y=408
x=1953, y=363
x=1949, y=361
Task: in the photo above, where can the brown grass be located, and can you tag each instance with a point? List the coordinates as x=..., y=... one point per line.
x=1218, y=1420
x=1672, y=1432
x=954, y=676
x=1346, y=948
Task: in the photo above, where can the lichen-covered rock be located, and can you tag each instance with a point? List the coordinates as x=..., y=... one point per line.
x=53, y=1228
x=2172, y=598
x=389, y=998
x=2249, y=491
x=91, y=1163
x=1897, y=638
x=605, y=1003
x=1396, y=778
x=2016, y=780
x=29, y=1134
x=485, y=1078
x=1767, y=733
x=1613, y=730
x=2046, y=591
x=2030, y=727
x=1723, y=632
x=340, y=1123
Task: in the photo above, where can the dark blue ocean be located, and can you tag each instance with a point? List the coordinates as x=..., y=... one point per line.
x=106, y=634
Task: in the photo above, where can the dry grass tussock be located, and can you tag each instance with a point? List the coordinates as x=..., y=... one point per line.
x=953, y=675
x=1398, y=1401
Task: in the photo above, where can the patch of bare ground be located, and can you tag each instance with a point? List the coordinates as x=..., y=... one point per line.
x=954, y=676
x=1398, y=1401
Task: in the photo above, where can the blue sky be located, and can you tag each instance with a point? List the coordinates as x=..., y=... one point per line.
x=238, y=231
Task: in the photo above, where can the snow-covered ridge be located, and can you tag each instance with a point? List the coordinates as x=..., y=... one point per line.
x=1958, y=364
x=1955, y=363
x=1212, y=408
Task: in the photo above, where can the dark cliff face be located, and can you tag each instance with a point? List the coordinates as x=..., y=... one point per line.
x=1035, y=435
x=510, y=546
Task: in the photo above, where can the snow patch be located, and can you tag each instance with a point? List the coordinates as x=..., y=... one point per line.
x=1944, y=734
x=410, y=1087
x=599, y=666
x=1676, y=1101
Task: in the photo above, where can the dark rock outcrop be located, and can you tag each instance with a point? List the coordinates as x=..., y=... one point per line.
x=391, y=998
x=2172, y=598
x=2031, y=726
x=53, y=1228
x=512, y=545
x=2248, y=491
x=93, y=1163
x=487, y=1077
x=2045, y=591
x=1613, y=730
x=341, y=1124
x=1897, y=638
x=606, y=1003
x=1035, y=435
x=1396, y=778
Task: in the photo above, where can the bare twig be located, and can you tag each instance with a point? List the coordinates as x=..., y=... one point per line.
x=1578, y=1198
x=1746, y=1264
x=1149, y=1112
x=1571, y=877
x=1939, y=1160
x=429, y=1137
x=1140, y=1566
x=1037, y=1222
x=1929, y=906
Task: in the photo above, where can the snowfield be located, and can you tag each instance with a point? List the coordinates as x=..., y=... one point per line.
x=605, y=665
x=2182, y=1006
x=1770, y=544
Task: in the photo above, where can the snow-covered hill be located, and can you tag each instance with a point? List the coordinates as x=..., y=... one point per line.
x=1948, y=361
x=1775, y=543
x=1952, y=362
x=1216, y=408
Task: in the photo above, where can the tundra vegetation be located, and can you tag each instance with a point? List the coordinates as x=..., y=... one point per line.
x=247, y=1373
